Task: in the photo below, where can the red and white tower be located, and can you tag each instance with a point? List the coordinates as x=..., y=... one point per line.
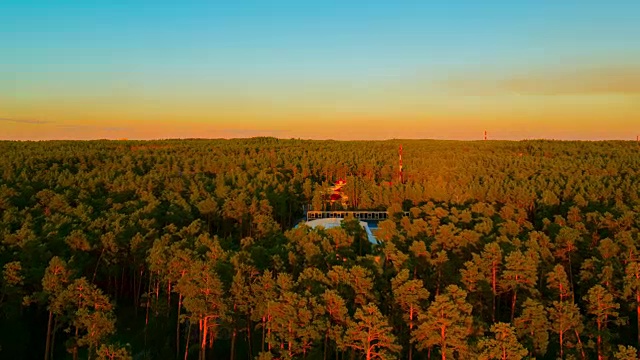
x=400, y=172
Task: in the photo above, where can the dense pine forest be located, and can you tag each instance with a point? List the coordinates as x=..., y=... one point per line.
x=187, y=249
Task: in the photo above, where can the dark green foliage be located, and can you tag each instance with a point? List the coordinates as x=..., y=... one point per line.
x=186, y=249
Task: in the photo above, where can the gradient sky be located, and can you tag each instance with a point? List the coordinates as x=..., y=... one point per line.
x=311, y=69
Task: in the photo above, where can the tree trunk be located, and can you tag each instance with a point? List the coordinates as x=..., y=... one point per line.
x=638, y=314
x=186, y=346
x=146, y=319
x=204, y=338
x=599, y=340
x=178, y=327
x=200, y=339
x=326, y=340
x=123, y=281
x=513, y=305
x=369, y=340
x=95, y=271
x=410, y=331
x=53, y=337
x=249, y=336
x=140, y=280
x=233, y=344
x=75, y=346
x=493, y=287
x=135, y=293
x=263, y=330
x=47, y=347
x=158, y=288
x=444, y=344
x=269, y=334
x=133, y=284
x=599, y=346
x=289, y=341
x=212, y=340
x=573, y=297
x=582, y=354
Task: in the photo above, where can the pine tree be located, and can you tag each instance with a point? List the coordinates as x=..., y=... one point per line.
x=626, y=353
x=157, y=261
x=264, y=291
x=362, y=283
x=533, y=326
x=632, y=289
x=603, y=268
x=370, y=334
x=566, y=244
x=241, y=299
x=503, y=346
x=111, y=352
x=409, y=296
x=357, y=278
x=492, y=262
x=12, y=281
x=601, y=305
x=55, y=280
x=177, y=267
x=472, y=274
x=521, y=273
x=438, y=260
x=564, y=317
x=446, y=324
x=557, y=279
x=394, y=256
x=540, y=242
x=89, y=313
x=296, y=323
x=337, y=318
x=204, y=300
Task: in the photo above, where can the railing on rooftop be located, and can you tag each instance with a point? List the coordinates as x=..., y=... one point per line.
x=360, y=215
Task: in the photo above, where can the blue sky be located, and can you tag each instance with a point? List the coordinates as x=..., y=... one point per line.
x=269, y=50
x=362, y=36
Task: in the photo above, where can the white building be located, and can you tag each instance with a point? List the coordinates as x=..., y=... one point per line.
x=335, y=222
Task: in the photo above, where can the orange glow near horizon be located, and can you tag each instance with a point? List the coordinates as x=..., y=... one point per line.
x=341, y=116
x=521, y=70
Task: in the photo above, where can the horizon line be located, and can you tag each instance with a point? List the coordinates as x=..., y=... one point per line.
x=318, y=139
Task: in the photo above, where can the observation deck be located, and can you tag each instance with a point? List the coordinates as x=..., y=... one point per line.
x=358, y=214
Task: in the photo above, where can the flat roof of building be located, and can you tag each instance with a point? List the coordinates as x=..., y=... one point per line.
x=335, y=222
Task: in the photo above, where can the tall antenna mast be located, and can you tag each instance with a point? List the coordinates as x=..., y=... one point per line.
x=400, y=173
x=485, y=134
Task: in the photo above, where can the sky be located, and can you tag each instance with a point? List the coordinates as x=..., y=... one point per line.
x=319, y=69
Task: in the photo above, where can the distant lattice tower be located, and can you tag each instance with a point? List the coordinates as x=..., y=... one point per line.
x=485, y=134
x=400, y=171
